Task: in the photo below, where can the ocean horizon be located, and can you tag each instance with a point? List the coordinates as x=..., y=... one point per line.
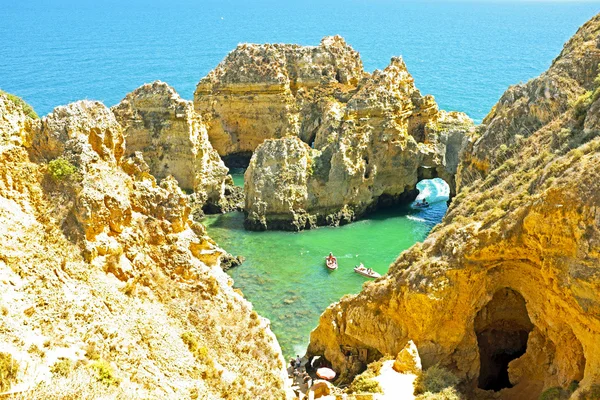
x=463, y=53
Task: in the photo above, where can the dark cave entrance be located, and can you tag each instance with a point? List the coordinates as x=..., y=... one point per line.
x=239, y=160
x=502, y=328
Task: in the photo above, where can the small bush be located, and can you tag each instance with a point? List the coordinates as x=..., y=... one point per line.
x=446, y=394
x=555, y=393
x=573, y=386
x=62, y=367
x=61, y=169
x=19, y=102
x=365, y=383
x=190, y=340
x=435, y=380
x=91, y=352
x=104, y=372
x=593, y=393
x=8, y=371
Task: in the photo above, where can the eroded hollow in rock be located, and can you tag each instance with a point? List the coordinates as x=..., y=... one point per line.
x=237, y=160
x=502, y=329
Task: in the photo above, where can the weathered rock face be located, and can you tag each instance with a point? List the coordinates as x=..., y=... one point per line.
x=173, y=140
x=15, y=126
x=525, y=108
x=371, y=147
x=258, y=92
x=505, y=291
x=102, y=266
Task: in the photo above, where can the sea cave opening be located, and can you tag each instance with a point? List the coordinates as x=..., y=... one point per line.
x=502, y=328
x=239, y=160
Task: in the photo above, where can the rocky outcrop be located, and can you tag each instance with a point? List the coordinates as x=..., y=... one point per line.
x=505, y=291
x=259, y=92
x=173, y=140
x=370, y=149
x=108, y=287
x=525, y=108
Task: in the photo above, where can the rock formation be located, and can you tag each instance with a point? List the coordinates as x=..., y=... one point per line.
x=258, y=92
x=506, y=290
x=525, y=108
x=108, y=287
x=173, y=140
x=370, y=148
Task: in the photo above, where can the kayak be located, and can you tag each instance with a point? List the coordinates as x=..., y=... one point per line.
x=331, y=264
x=369, y=273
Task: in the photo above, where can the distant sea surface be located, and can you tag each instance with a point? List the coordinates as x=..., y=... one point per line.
x=464, y=53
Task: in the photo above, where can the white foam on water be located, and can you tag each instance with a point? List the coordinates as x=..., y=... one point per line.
x=413, y=218
x=433, y=190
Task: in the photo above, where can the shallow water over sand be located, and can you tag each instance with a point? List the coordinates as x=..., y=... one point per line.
x=284, y=274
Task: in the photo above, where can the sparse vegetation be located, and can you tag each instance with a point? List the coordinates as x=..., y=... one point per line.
x=434, y=380
x=446, y=394
x=593, y=393
x=104, y=372
x=27, y=109
x=9, y=369
x=365, y=383
x=61, y=169
x=62, y=367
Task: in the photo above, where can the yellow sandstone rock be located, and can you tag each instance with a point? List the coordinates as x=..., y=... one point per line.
x=107, y=287
x=505, y=292
x=172, y=139
x=370, y=150
x=257, y=92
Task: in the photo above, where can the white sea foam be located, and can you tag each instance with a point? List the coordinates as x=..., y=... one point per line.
x=433, y=190
x=413, y=218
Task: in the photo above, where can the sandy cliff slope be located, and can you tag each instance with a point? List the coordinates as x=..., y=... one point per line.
x=107, y=287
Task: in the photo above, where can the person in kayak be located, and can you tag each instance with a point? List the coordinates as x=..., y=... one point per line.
x=331, y=258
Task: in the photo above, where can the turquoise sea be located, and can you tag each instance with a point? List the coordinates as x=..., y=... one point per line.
x=284, y=274
x=465, y=53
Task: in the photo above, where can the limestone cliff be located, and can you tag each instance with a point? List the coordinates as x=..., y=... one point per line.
x=506, y=290
x=173, y=139
x=258, y=92
x=371, y=147
x=525, y=108
x=107, y=287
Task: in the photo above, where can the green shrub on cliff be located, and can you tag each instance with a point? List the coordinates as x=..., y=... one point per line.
x=60, y=169
x=27, y=109
x=104, y=372
x=446, y=394
x=434, y=380
x=364, y=383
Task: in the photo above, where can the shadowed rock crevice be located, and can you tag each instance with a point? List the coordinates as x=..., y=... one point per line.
x=502, y=328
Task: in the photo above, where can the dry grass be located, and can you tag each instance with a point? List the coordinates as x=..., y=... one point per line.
x=8, y=371
x=79, y=385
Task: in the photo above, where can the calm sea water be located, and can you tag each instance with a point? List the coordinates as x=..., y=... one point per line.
x=284, y=274
x=464, y=53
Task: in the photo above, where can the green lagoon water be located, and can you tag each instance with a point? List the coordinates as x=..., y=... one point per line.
x=284, y=274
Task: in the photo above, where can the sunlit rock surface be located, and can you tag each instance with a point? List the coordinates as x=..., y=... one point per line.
x=505, y=291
